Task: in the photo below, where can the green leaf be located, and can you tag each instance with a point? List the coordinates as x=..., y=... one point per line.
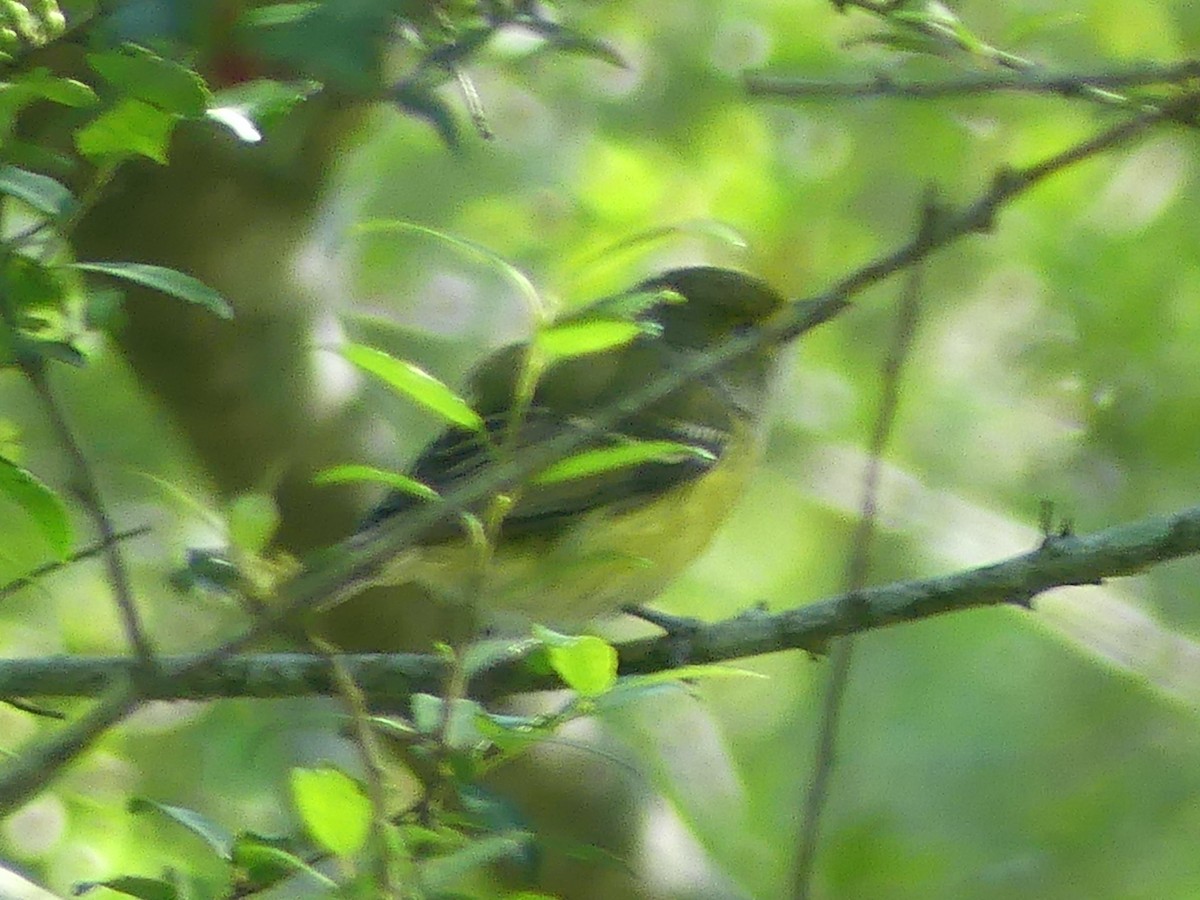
x=42, y=193
x=19, y=91
x=415, y=383
x=132, y=886
x=608, y=459
x=59, y=351
x=31, y=286
x=634, y=686
x=167, y=281
x=129, y=128
x=11, y=447
x=276, y=14
x=142, y=75
x=237, y=121
x=568, y=40
x=460, y=731
x=582, y=338
x=421, y=100
x=442, y=872
x=218, y=838
x=264, y=862
x=333, y=807
x=524, y=286
x=352, y=473
x=587, y=664
x=192, y=504
x=40, y=503
x=483, y=654
x=252, y=520
x=247, y=109
x=42, y=84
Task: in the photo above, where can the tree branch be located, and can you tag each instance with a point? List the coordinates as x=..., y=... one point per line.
x=394, y=677
x=1034, y=81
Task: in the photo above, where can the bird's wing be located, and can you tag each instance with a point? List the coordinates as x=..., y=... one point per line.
x=459, y=457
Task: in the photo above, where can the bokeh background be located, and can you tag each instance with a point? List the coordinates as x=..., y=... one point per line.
x=991, y=754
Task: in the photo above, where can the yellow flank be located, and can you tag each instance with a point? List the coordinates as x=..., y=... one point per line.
x=610, y=558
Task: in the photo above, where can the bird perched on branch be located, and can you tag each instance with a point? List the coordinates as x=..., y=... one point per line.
x=638, y=497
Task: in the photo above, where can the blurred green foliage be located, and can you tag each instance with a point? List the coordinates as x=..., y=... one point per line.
x=994, y=754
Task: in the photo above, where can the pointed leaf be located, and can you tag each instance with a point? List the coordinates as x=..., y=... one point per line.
x=42, y=193
x=132, y=886
x=440, y=873
x=264, y=862
x=129, y=128
x=167, y=281
x=416, y=384
x=40, y=503
x=582, y=338
x=351, y=473
x=145, y=76
x=333, y=807
x=608, y=459
x=218, y=838
x=252, y=107
x=511, y=273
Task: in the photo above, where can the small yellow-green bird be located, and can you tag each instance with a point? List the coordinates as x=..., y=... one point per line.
x=565, y=550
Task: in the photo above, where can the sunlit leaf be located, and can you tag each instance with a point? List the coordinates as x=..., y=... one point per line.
x=252, y=520
x=40, y=503
x=415, y=383
x=278, y=14
x=352, y=473
x=264, y=862
x=583, y=338
x=130, y=128
x=587, y=664
x=249, y=108
x=608, y=459
x=333, y=807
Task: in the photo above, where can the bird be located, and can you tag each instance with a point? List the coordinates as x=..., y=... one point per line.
x=564, y=551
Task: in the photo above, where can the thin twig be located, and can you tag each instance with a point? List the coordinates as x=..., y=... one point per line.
x=948, y=32
x=87, y=552
x=1064, y=84
x=857, y=567
x=372, y=759
x=89, y=495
